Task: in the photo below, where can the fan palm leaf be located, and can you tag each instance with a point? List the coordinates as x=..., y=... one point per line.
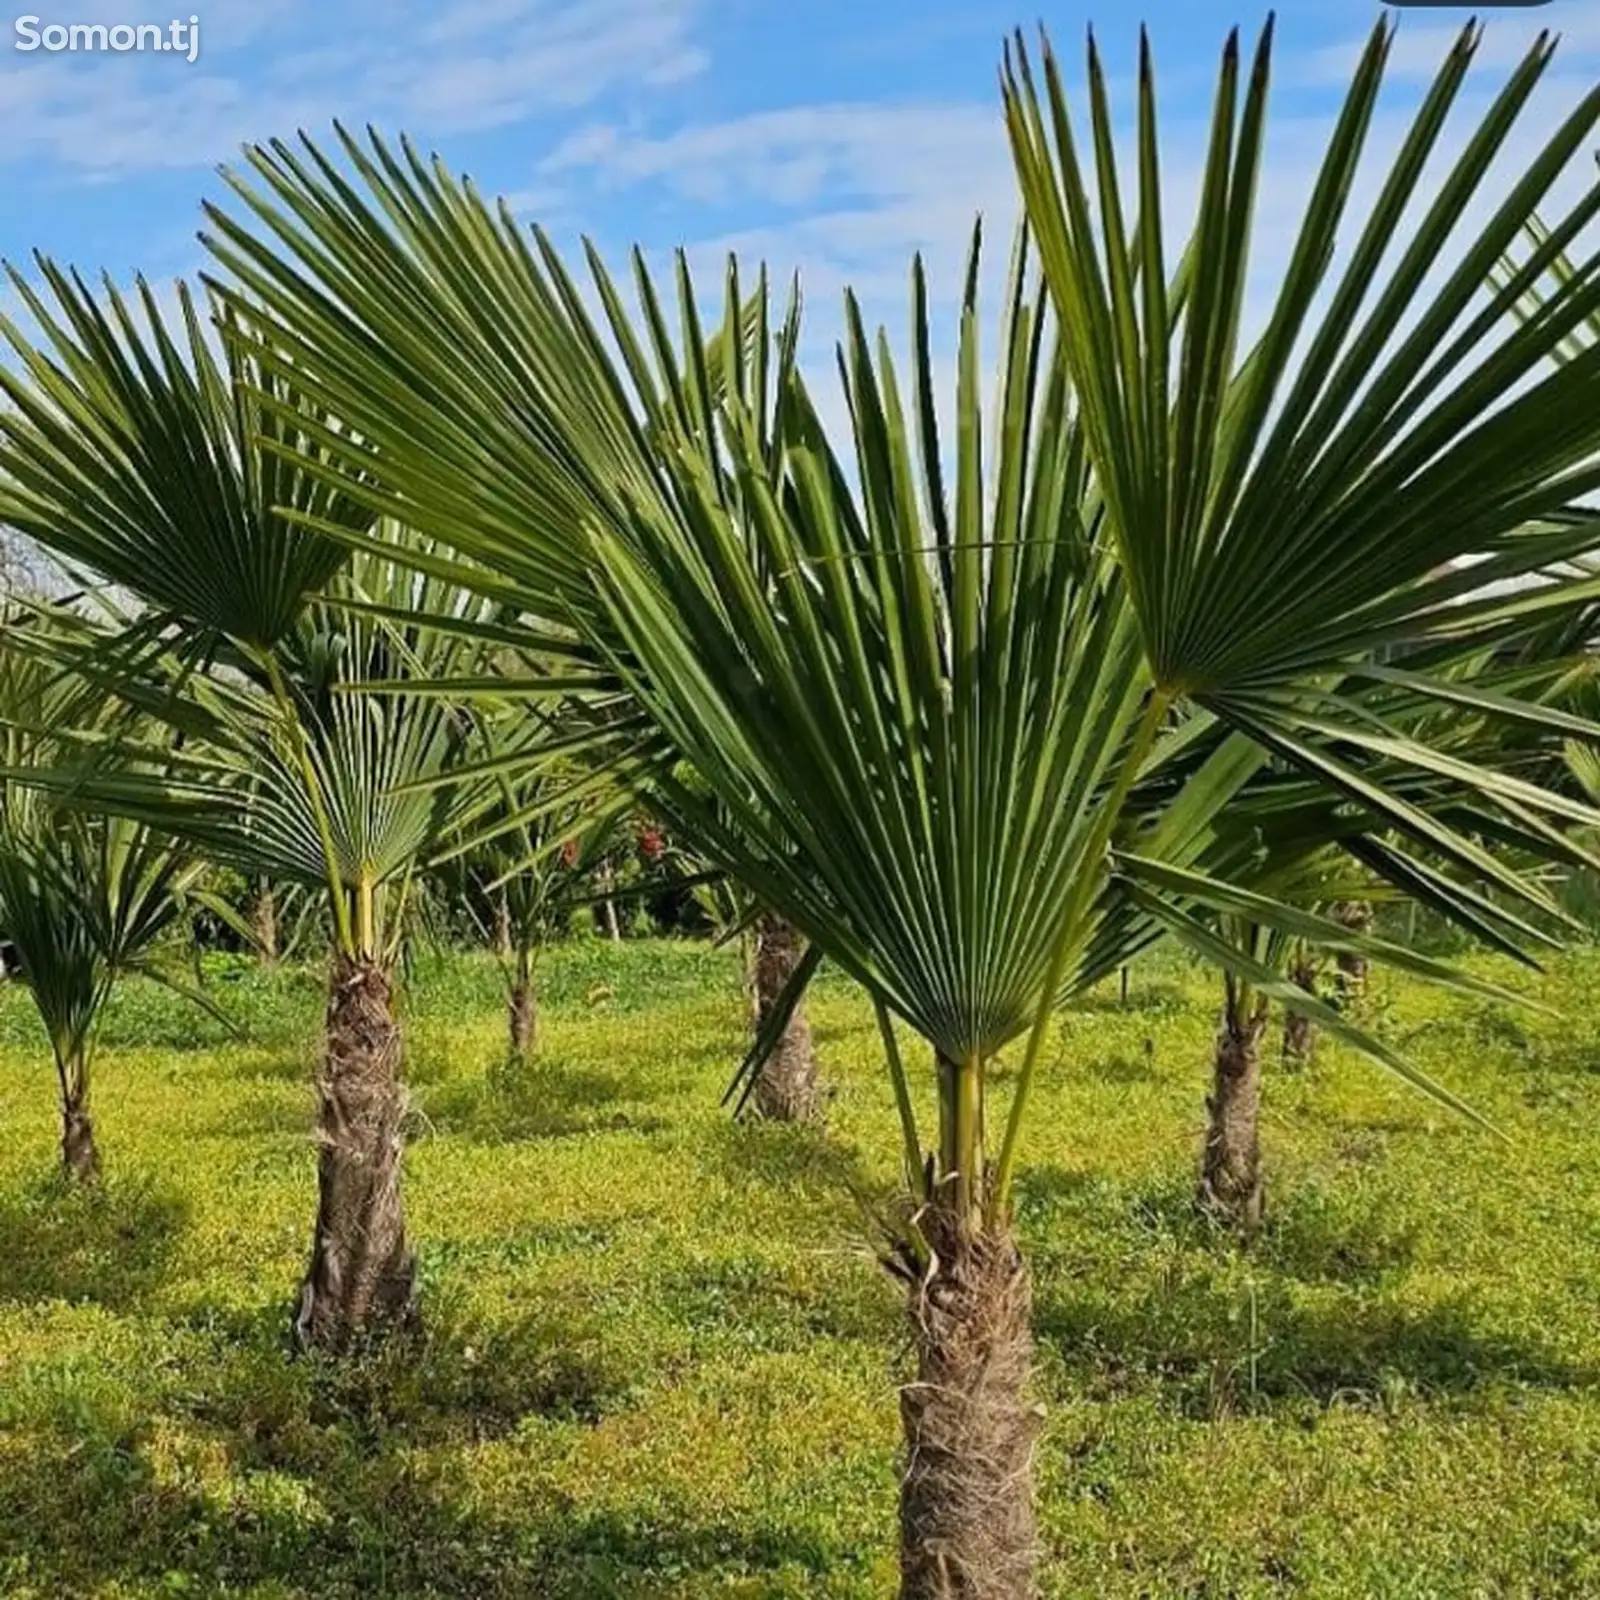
x=133, y=450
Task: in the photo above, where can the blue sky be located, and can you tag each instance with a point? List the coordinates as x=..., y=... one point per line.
x=828, y=136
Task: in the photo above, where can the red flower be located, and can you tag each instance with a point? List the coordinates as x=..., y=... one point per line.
x=652, y=842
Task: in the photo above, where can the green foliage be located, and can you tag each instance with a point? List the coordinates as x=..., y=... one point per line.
x=132, y=451
x=85, y=900
x=656, y=1356
x=285, y=768
x=926, y=684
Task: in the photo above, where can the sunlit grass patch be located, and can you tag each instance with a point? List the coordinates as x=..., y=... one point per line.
x=658, y=1359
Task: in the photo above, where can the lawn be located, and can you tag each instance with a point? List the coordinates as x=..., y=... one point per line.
x=660, y=1361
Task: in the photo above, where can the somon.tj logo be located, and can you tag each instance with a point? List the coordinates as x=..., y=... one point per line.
x=173, y=38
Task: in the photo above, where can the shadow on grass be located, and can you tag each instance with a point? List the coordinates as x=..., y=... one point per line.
x=1158, y=996
x=459, y=1380
x=1149, y=1295
x=263, y=1114
x=1319, y=1244
x=1047, y=1186
x=1123, y=1068
x=774, y=1307
x=332, y=1488
x=390, y=1526
x=394, y=1527
x=111, y=1245
x=1204, y=1347
x=1209, y=1334
x=543, y=1099
x=1577, y=1057
x=1311, y=1236
x=747, y=1152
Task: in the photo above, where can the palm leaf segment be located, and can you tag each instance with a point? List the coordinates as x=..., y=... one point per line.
x=135, y=453
x=284, y=769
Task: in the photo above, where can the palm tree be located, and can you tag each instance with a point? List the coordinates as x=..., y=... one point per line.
x=345, y=794
x=529, y=855
x=930, y=708
x=133, y=453
x=84, y=901
x=1287, y=838
x=1232, y=1188
x=785, y=1087
x=778, y=1080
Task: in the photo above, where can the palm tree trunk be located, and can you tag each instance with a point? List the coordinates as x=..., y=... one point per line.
x=80, y=1157
x=747, y=979
x=786, y=1089
x=608, y=906
x=1299, y=1032
x=361, y=1280
x=967, y=1528
x=1355, y=915
x=524, y=1011
x=264, y=924
x=1231, y=1187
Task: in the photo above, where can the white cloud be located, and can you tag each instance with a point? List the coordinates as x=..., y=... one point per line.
x=468, y=67
x=844, y=193
x=1421, y=45
x=849, y=191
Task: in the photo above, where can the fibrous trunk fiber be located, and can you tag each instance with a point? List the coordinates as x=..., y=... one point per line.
x=361, y=1281
x=786, y=1090
x=264, y=925
x=1357, y=916
x=80, y=1159
x=1299, y=1032
x=1231, y=1187
x=967, y=1528
x=524, y=1012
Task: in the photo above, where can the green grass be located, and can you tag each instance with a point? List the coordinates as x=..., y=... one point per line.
x=660, y=1361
